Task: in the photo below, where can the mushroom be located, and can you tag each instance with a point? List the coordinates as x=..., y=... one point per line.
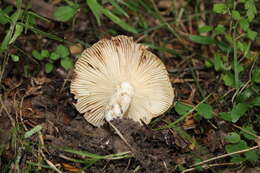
x=120, y=78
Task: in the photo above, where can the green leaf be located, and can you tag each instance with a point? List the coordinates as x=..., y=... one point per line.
x=251, y=9
x=48, y=67
x=31, y=19
x=232, y=138
x=244, y=24
x=66, y=63
x=229, y=79
x=230, y=39
x=248, y=135
x=37, y=55
x=235, y=15
x=205, y=110
x=181, y=108
x=220, y=29
x=239, y=68
x=238, y=111
x=62, y=51
x=15, y=58
x=95, y=8
x=224, y=47
x=208, y=64
x=219, y=8
x=237, y=159
x=8, y=9
x=241, y=145
x=243, y=46
x=118, y=21
x=218, y=63
x=32, y=131
x=256, y=76
x=54, y=56
x=64, y=13
x=245, y=95
x=256, y=101
x=45, y=53
x=205, y=28
x=251, y=156
x=225, y=116
x=202, y=39
x=3, y=19
x=17, y=33
x=251, y=34
x=198, y=168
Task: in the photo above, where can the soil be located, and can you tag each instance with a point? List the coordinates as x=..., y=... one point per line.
x=46, y=100
x=64, y=127
x=31, y=97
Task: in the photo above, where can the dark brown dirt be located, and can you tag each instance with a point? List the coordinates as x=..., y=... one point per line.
x=32, y=97
x=46, y=100
x=153, y=151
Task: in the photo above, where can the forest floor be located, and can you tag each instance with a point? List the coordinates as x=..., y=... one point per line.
x=214, y=71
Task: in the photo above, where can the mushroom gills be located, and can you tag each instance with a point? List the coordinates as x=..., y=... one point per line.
x=119, y=101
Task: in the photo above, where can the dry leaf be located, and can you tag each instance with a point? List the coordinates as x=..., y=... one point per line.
x=69, y=167
x=76, y=49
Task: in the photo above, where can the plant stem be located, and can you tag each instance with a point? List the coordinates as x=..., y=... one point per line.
x=225, y=155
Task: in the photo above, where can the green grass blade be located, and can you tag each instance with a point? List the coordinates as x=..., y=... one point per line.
x=18, y=31
x=33, y=131
x=95, y=8
x=162, y=49
x=6, y=40
x=118, y=21
x=13, y=21
x=4, y=18
x=118, y=156
x=51, y=36
x=38, y=16
x=83, y=153
x=118, y=8
x=202, y=39
x=132, y=5
x=38, y=164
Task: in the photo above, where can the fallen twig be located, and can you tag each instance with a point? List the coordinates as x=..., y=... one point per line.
x=7, y=112
x=225, y=155
x=208, y=166
x=121, y=136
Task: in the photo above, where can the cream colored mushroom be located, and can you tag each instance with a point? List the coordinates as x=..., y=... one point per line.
x=119, y=78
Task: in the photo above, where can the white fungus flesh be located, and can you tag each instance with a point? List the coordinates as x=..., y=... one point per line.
x=119, y=78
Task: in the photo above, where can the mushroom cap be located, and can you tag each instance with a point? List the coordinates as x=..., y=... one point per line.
x=108, y=63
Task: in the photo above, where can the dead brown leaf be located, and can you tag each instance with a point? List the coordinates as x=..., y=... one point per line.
x=76, y=49
x=69, y=167
x=258, y=141
x=189, y=122
x=165, y=4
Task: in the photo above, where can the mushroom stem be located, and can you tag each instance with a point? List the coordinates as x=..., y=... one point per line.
x=119, y=101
